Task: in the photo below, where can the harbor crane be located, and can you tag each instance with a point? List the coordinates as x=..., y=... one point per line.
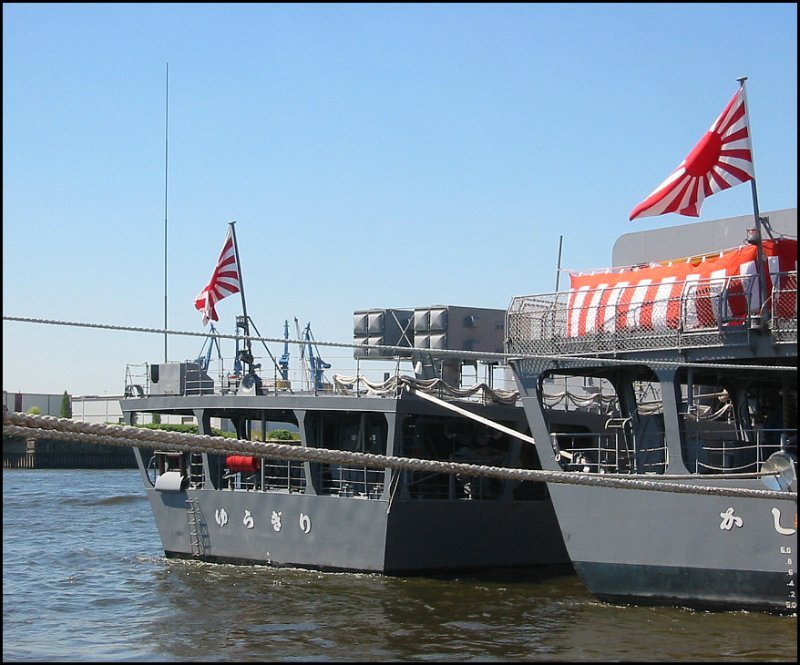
x=314, y=366
x=204, y=359
x=284, y=361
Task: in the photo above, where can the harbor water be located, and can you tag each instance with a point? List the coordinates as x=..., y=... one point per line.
x=85, y=579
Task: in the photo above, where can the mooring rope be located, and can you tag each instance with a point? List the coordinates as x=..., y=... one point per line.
x=37, y=426
x=403, y=350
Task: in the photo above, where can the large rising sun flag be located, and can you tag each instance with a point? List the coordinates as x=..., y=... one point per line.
x=721, y=159
x=224, y=281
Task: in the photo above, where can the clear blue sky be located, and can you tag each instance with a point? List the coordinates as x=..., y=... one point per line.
x=372, y=155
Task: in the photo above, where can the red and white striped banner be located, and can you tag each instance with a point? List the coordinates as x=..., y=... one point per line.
x=680, y=294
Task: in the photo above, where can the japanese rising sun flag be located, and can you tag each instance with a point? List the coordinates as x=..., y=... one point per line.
x=223, y=282
x=722, y=159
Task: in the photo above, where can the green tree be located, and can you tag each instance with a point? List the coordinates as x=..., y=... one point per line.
x=156, y=418
x=34, y=411
x=66, y=406
x=283, y=435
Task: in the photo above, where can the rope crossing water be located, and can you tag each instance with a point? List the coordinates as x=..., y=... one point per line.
x=477, y=355
x=36, y=426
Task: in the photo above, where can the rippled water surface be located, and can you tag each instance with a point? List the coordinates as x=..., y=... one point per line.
x=84, y=578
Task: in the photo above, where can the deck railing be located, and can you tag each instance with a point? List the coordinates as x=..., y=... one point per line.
x=365, y=381
x=720, y=451
x=709, y=312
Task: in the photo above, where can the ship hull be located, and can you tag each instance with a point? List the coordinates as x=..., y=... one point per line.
x=355, y=534
x=338, y=516
x=706, y=552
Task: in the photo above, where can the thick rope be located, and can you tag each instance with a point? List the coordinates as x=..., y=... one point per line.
x=29, y=425
x=461, y=354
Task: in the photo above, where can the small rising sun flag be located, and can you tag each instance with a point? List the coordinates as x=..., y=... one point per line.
x=224, y=281
x=721, y=159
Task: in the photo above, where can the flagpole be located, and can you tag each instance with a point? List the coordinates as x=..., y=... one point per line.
x=166, y=181
x=761, y=259
x=558, y=267
x=246, y=327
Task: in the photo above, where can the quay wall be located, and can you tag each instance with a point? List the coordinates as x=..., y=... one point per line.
x=20, y=453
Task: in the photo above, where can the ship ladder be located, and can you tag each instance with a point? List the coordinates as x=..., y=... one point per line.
x=196, y=471
x=623, y=455
x=193, y=515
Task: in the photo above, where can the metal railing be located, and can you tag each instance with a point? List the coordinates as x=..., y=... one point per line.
x=608, y=452
x=720, y=451
x=708, y=312
x=284, y=475
x=365, y=382
x=352, y=481
x=275, y=475
x=728, y=452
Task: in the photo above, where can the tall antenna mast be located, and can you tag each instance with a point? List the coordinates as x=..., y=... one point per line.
x=166, y=182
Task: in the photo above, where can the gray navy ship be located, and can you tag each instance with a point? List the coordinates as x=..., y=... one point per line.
x=338, y=517
x=658, y=398
x=692, y=363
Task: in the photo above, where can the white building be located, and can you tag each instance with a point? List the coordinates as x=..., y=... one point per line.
x=97, y=408
x=85, y=408
x=106, y=409
x=48, y=405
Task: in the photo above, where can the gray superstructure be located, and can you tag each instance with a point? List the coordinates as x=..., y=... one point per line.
x=698, y=238
x=333, y=516
x=696, y=383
